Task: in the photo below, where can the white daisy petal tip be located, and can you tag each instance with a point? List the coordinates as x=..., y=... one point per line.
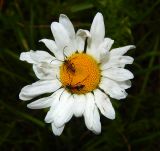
x=131, y=76
x=112, y=116
x=53, y=24
x=121, y=50
x=98, y=27
x=65, y=21
x=23, y=98
x=99, y=14
x=49, y=117
x=131, y=60
x=132, y=46
x=41, y=103
x=118, y=74
x=63, y=16
x=83, y=33
x=44, y=40
x=126, y=60
x=22, y=56
x=25, y=56
x=129, y=47
x=57, y=131
x=108, y=43
x=30, y=106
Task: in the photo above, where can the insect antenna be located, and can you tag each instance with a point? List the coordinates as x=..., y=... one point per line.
x=58, y=79
x=61, y=95
x=57, y=60
x=64, y=55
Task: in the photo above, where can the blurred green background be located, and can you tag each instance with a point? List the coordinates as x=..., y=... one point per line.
x=137, y=123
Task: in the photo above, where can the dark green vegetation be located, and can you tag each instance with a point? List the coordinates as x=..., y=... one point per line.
x=137, y=123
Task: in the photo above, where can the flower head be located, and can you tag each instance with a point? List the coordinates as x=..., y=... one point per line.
x=80, y=72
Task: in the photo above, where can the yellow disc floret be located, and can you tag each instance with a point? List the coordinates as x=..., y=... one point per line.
x=80, y=73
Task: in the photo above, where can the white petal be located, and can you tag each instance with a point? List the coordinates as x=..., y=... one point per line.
x=121, y=59
x=25, y=56
x=62, y=39
x=56, y=96
x=106, y=45
x=41, y=103
x=107, y=64
x=121, y=51
x=97, y=30
x=56, y=99
x=113, y=89
x=104, y=50
x=65, y=21
x=97, y=36
x=96, y=122
x=89, y=109
x=45, y=72
x=117, y=61
x=41, y=56
x=124, y=84
x=64, y=110
x=81, y=36
x=83, y=33
x=117, y=74
x=51, y=45
x=60, y=34
x=36, y=57
x=57, y=130
x=79, y=105
x=91, y=115
x=40, y=87
x=103, y=59
x=104, y=104
x=125, y=59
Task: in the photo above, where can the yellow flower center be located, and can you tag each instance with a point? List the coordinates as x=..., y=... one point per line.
x=80, y=73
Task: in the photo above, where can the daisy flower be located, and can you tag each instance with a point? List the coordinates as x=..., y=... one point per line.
x=80, y=72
